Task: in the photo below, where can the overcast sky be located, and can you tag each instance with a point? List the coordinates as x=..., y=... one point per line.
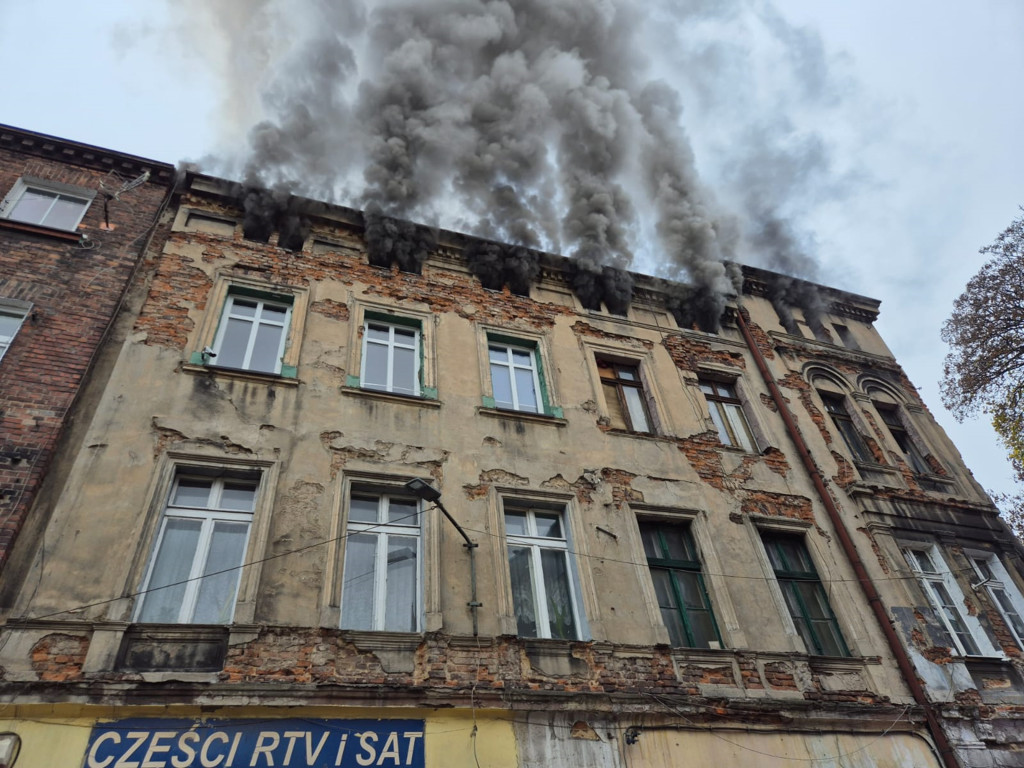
x=914, y=105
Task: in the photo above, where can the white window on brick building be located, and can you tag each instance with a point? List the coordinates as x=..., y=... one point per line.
x=544, y=590
x=12, y=315
x=382, y=574
x=46, y=204
x=964, y=634
x=391, y=357
x=515, y=382
x=195, y=568
x=252, y=334
x=1002, y=591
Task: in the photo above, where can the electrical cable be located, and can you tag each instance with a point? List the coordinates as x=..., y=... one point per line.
x=575, y=553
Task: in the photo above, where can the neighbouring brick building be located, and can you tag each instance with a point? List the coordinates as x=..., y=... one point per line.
x=747, y=546
x=70, y=237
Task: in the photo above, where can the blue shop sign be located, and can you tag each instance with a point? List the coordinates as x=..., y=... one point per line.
x=294, y=743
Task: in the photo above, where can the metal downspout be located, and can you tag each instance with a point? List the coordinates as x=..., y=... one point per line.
x=850, y=550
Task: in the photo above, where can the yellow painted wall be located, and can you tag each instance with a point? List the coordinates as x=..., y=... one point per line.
x=57, y=737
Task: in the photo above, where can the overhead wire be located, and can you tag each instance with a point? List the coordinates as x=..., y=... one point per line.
x=343, y=536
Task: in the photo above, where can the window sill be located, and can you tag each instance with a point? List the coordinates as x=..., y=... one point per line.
x=240, y=375
x=638, y=435
x=536, y=418
x=36, y=229
x=391, y=397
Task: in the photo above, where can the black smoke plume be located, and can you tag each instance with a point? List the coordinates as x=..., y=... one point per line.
x=540, y=123
x=498, y=265
x=267, y=210
x=394, y=241
x=787, y=293
x=594, y=283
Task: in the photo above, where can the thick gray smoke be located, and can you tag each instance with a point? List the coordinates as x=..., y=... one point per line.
x=500, y=264
x=537, y=123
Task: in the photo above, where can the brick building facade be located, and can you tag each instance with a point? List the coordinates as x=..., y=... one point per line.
x=69, y=242
x=653, y=545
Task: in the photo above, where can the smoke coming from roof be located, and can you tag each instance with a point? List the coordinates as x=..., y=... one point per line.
x=538, y=123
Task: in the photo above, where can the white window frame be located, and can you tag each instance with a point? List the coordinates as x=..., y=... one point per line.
x=25, y=183
x=383, y=531
x=390, y=345
x=15, y=309
x=944, y=577
x=510, y=367
x=535, y=543
x=210, y=516
x=255, y=322
x=998, y=582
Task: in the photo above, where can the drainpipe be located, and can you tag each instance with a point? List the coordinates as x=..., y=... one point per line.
x=850, y=550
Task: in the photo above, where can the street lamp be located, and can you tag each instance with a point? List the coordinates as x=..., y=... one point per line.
x=10, y=746
x=421, y=489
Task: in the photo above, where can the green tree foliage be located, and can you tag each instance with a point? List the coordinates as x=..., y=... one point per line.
x=984, y=371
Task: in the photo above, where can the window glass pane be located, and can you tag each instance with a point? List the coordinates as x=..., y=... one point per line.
x=402, y=511
x=520, y=566
x=702, y=627
x=238, y=496
x=691, y=589
x=65, y=213
x=637, y=411
x=10, y=322
x=376, y=367
x=616, y=416
x=189, y=492
x=266, y=351
x=1012, y=617
x=679, y=544
x=983, y=568
x=357, y=589
x=549, y=526
x=273, y=314
x=525, y=391
x=173, y=564
x=924, y=560
x=738, y=422
x=32, y=206
x=363, y=509
x=405, y=336
x=234, y=342
x=626, y=373
x=652, y=542
x=378, y=332
x=715, y=409
x=670, y=612
x=561, y=621
x=497, y=354
x=216, y=601
x=501, y=385
x=243, y=307
x=404, y=376
x=522, y=359
x=400, y=610
x=515, y=523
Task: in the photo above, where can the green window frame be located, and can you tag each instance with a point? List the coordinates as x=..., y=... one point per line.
x=246, y=314
x=679, y=584
x=506, y=353
x=804, y=594
x=393, y=325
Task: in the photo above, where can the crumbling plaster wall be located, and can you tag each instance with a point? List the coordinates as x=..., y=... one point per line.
x=317, y=430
